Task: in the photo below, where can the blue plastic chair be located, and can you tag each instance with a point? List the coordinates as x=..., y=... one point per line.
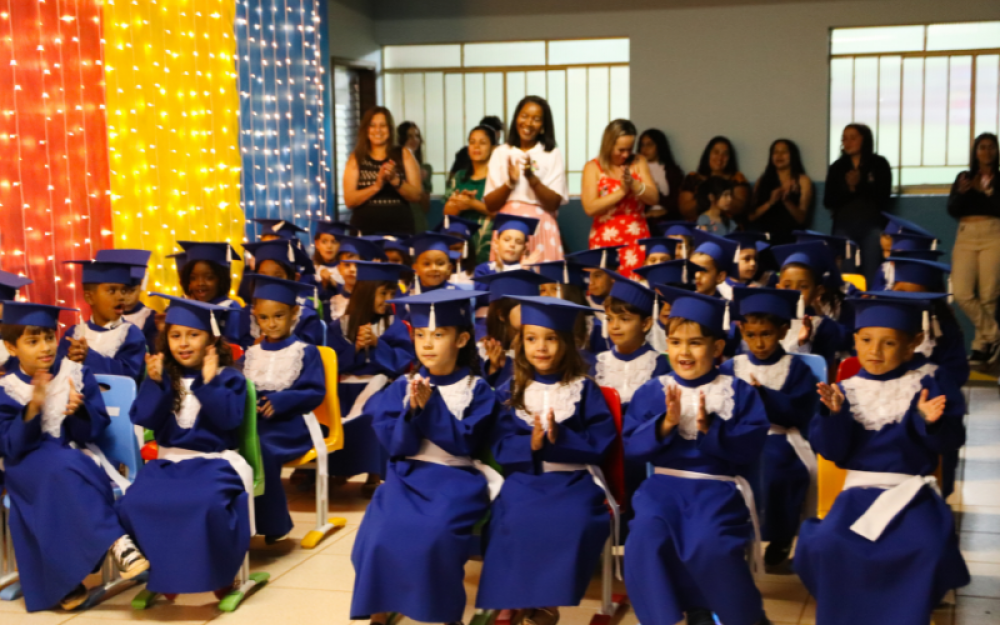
x=816, y=364
x=10, y=587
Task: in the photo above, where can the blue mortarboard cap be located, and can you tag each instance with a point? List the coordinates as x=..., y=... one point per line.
x=367, y=250
x=813, y=254
x=748, y=238
x=631, y=292
x=455, y=256
x=711, y=312
x=96, y=272
x=513, y=282
x=219, y=253
x=760, y=246
x=678, y=271
x=659, y=245
x=369, y=271
x=10, y=283
x=921, y=254
x=597, y=258
x=180, y=259
x=281, y=250
x=138, y=259
x=280, y=228
x=198, y=315
x=897, y=225
x=677, y=228
x=335, y=228
x=912, y=242
x=781, y=303
x=550, y=312
x=526, y=225
x=724, y=252
x=278, y=290
x=29, y=314
x=458, y=227
x=892, y=309
x=432, y=242
x=927, y=273
x=563, y=272
x=441, y=308
x=395, y=243
x=840, y=246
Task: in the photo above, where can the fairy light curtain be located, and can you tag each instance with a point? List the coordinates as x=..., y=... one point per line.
x=54, y=188
x=282, y=97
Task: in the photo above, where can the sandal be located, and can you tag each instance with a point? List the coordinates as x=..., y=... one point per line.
x=542, y=616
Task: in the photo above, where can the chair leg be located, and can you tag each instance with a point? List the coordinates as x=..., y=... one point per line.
x=111, y=584
x=10, y=584
x=610, y=602
x=325, y=524
x=248, y=583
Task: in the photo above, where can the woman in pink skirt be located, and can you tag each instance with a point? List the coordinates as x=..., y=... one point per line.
x=615, y=193
x=527, y=176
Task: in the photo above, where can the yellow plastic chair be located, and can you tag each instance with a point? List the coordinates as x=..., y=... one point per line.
x=857, y=280
x=327, y=414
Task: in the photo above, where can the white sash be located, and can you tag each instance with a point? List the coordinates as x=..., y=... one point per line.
x=808, y=457
x=373, y=384
x=757, y=565
x=900, y=489
x=235, y=460
x=430, y=452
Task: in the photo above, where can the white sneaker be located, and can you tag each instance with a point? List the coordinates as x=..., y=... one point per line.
x=128, y=558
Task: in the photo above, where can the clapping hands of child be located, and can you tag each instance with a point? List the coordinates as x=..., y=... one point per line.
x=154, y=367
x=78, y=349
x=831, y=396
x=210, y=366
x=366, y=338
x=534, y=257
x=673, y=415
x=420, y=393
x=931, y=410
x=805, y=332
x=495, y=354
x=265, y=408
x=539, y=433
x=75, y=399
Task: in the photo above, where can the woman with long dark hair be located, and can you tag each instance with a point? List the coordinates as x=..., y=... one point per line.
x=668, y=177
x=527, y=175
x=718, y=159
x=975, y=202
x=783, y=194
x=379, y=181
x=858, y=185
x=467, y=188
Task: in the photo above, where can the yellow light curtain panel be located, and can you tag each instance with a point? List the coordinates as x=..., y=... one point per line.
x=173, y=128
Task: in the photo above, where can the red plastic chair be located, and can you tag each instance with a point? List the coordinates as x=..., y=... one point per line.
x=237, y=351
x=614, y=473
x=849, y=367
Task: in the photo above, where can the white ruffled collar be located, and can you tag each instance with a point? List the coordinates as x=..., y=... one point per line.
x=107, y=340
x=274, y=370
x=878, y=403
x=540, y=397
x=625, y=376
x=718, y=401
x=56, y=396
x=771, y=376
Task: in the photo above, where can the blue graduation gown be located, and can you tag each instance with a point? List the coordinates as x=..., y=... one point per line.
x=324, y=293
x=547, y=528
x=145, y=319
x=902, y=576
x=788, y=391
x=308, y=328
x=416, y=537
x=290, y=375
x=948, y=365
x=62, y=513
x=391, y=357
x=106, y=355
x=190, y=518
x=687, y=543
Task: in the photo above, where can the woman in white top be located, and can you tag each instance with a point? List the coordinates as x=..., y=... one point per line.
x=527, y=176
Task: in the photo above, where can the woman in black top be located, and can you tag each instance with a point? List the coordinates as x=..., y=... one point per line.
x=858, y=186
x=782, y=196
x=379, y=185
x=975, y=202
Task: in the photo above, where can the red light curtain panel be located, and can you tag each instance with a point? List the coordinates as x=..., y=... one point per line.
x=55, y=202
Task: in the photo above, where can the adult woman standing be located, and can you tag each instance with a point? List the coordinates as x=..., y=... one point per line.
x=527, y=175
x=858, y=185
x=377, y=188
x=718, y=159
x=615, y=193
x=782, y=195
x=467, y=190
x=655, y=147
x=975, y=202
x=409, y=137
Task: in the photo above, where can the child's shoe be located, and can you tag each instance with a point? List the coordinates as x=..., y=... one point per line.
x=128, y=558
x=74, y=599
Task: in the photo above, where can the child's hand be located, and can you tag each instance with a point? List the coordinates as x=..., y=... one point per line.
x=537, y=435
x=704, y=418
x=673, y=415
x=40, y=387
x=265, y=409
x=210, y=366
x=361, y=341
x=805, y=332
x=154, y=367
x=754, y=382
x=534, y=257
x=75, y=399
x=495, y=354
x=413, y=393
x=553, y=427
x=930, y=410
x=831, y=396
x=422, y=392
x=160, y=319
x=77, y=350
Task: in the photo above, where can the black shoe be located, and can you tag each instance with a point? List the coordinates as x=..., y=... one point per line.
x=978, y=358
x=777, y=552
x=271, y=540
x=700, y=616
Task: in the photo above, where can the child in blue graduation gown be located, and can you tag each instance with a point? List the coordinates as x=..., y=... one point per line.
x=887, y=552
x=432, y=263
x=678, y=272
x=290, y=381
x=568, y=281
x=600, y=262
x=694, y=517
x=326, y=278
x=136, y=312
x=9, y=285
x=351, y=249
x=373, y=348
x=510, y=244
x=411, y=549
x=549, y=523
x=788, y=389
x=106, y=343
x=718, y=257
x=190, y=510
x=62, y=514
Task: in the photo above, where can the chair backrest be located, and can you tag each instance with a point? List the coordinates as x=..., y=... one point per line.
x=856, y=279
x=328, y=413
x=614, y=464
x=118, y=441
x=848, y=368
x=250, y=441
x=816, y=364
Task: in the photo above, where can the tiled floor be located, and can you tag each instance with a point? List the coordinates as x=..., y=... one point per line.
x=314, y=586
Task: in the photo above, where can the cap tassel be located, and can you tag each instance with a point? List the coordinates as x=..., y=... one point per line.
x=291, y=253
x=416, y=286
x=857, y=257
x=936, y=325
x=447, y=222
x=684, y=273
x=800, y=307
x=847, y=249
x=951, y=293
x=229, y=253
x=925, y=323
x=934, y=245
x=145, y=281
x=432, y=320
x=604, y=259
x=565, y=272
x=684, y=249
x=767, y=236
x=890, y=276
x=604, y=327
x=215, y=324
x=465, y=250
x=558, y=290
x=725, y=318
x=278, y=226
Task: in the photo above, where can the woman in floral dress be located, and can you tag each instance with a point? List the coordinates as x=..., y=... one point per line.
x=615, y=195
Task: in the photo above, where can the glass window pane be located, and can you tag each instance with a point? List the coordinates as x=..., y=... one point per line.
x=405, y=57
x=620, y=97
x=494, y=96
x=959, y=109
x=438, y=183
x=913, y=110
x=887, y=132
x=557, y=101
x=394, y=93
x=878, y=39
x=866, y=90
x=434, y=149
x=588, y=51
x=598, y=107
x=967, y=36
x=413, y=100
x=536, y=84
x=929, y=175
x=515, y=93
x=576, y=119
x=575, y=181
x=509, y=54
x=454, y=106
x=935, y=110
x=841, y=101
x=475, y=100
x=987, y=93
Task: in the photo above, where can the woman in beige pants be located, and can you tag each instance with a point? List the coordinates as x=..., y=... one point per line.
x=975, y=202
